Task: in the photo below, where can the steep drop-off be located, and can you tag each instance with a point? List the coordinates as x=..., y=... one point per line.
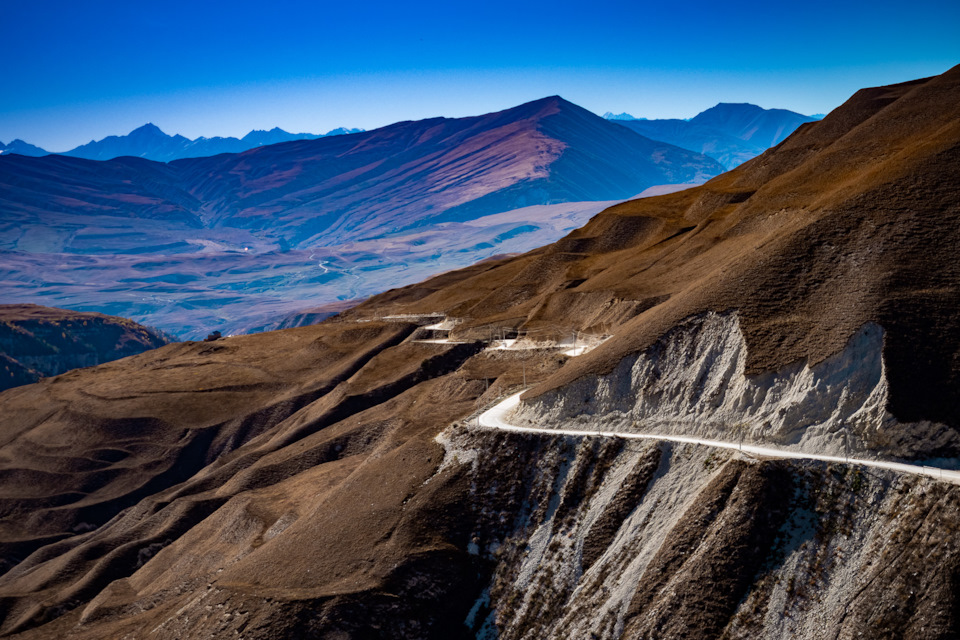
x=692, y=382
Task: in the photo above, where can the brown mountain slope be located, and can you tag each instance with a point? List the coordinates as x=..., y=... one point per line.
x=297, y=431
x=325, y=482
x=103, y=439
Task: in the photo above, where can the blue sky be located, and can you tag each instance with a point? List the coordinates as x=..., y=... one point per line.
x=75, y=71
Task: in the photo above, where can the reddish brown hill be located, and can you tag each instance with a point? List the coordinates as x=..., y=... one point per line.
x=346, y=188
x=371, y=184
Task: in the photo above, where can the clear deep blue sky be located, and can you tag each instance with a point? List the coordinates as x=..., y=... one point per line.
x=77, y=70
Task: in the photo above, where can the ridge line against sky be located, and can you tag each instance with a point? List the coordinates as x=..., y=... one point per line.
x=77, y=72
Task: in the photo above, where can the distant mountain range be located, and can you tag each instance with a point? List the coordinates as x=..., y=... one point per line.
x=22, y=148
x=213, y=242
x=728, y=133
x=151, y=143
x=620, y=116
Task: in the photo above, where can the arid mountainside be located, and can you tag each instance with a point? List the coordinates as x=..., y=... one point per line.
x=151, y=143
x=37, y=341
x=236, y=241
x=331, y=481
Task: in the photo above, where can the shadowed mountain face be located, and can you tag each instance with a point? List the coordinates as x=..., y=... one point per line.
x=37, y=342
x=729, y=133
x=310, y=222
x=327, y=481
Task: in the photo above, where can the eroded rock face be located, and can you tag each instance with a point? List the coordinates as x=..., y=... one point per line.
x=680, y=541
x=692, y=381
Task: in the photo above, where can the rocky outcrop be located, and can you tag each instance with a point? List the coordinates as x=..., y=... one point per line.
x=692, y=381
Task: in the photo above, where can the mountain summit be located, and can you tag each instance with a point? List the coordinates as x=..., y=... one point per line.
x=316, y=221
x=609, y=115
x=401, y=176
x=22, y=148
x=147, y=131
x=761, y=127
x=145, y=141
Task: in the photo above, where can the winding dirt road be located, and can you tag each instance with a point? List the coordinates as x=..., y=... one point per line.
x=495, y=418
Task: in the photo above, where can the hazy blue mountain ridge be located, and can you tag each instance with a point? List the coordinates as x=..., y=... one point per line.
x=762, y=127
x=729, y=133
x=151, y=143
x=22, y=148
x=609, y=115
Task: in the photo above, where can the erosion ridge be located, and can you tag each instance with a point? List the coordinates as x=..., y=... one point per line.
x=692, y=382
x=331, y=482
